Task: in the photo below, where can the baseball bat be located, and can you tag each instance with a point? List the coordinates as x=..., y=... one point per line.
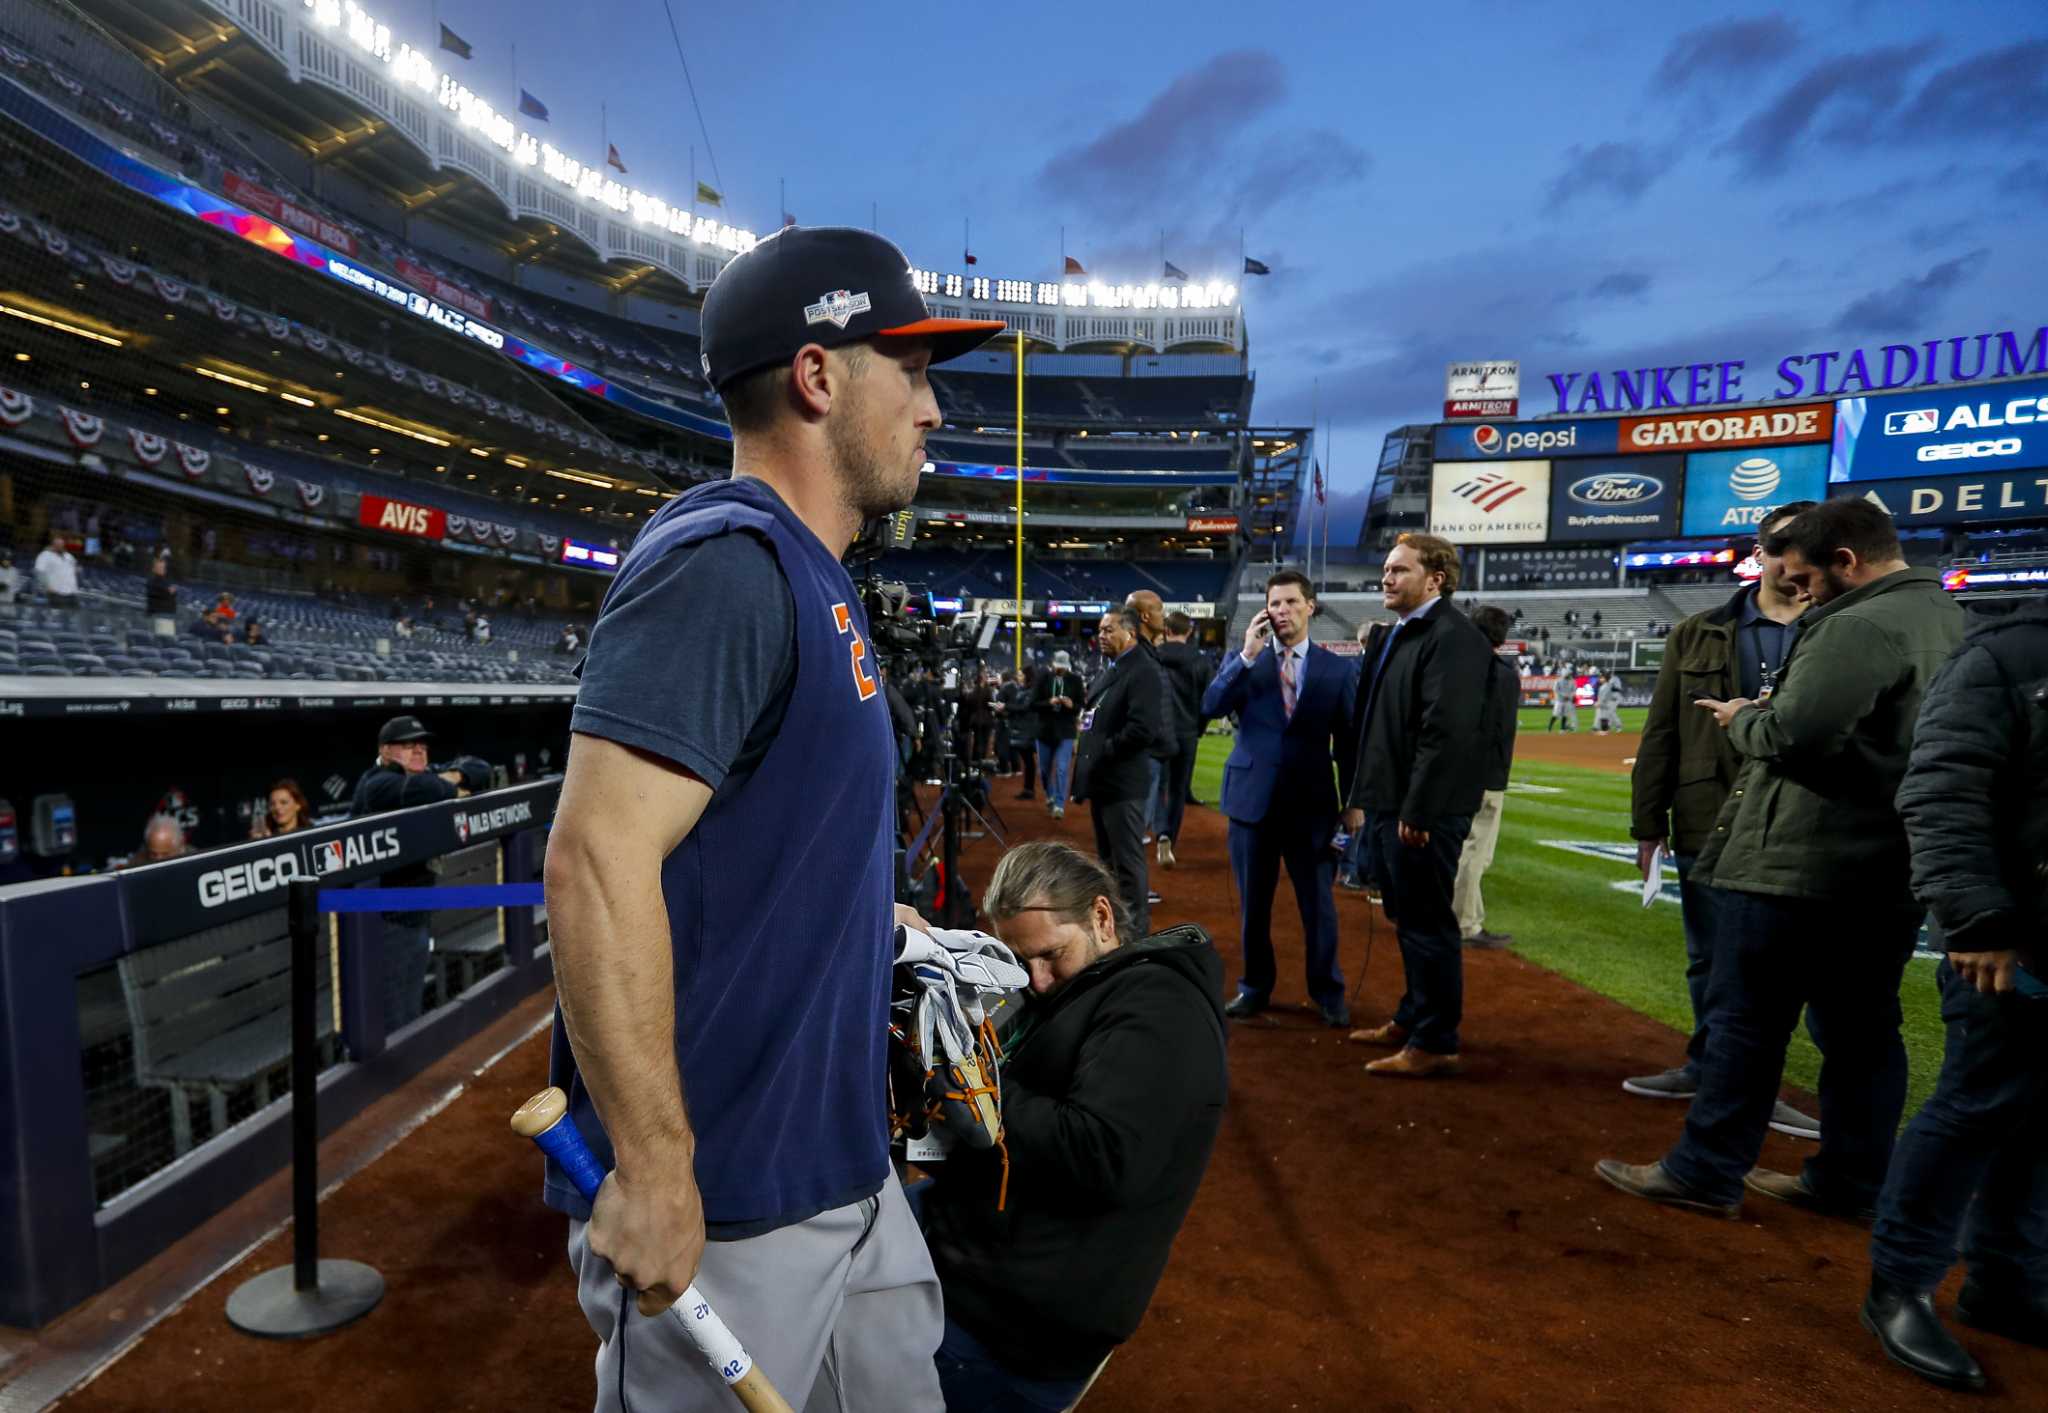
x=545, y=1119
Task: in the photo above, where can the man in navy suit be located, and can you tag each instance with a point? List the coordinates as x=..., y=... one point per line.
x=1293, y=701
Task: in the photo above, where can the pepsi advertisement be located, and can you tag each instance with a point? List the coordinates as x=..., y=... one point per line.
x=1616, y=498
x=1960, y=431
x=1730, y=492
x=1486, y=441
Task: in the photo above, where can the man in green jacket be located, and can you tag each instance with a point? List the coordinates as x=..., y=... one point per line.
x=1686, y=765
x=1808, y=860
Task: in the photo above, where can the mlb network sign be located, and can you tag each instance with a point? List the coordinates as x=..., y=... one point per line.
x=1969, y=430
x=1490, y=502
x=1730, y=492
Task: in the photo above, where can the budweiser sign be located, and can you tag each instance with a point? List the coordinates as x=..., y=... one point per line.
x=399, y=517
x=286, y=212
x=1212, y=524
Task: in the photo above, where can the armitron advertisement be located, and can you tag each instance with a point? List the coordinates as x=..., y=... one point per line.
x=1487, y=388
x=1490, y=502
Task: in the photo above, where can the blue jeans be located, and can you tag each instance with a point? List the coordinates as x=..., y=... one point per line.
x=1982, y=1134
x=974, y=1382
x=1696, y=903
x=1055, y=760
x=1417, y=885
x=970, y=1377
x=1844, y=959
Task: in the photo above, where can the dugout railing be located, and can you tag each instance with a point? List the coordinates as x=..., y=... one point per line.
x=145, y=1029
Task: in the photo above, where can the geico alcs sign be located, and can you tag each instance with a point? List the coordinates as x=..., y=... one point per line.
x=247, y=880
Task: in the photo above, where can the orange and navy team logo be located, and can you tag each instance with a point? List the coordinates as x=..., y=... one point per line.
x=863, y=681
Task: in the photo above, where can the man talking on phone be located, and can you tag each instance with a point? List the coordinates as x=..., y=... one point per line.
x=1293, y=701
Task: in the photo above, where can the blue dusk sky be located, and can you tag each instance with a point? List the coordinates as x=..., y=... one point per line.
x=1586, y=186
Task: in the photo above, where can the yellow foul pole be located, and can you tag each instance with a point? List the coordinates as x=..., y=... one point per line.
x=1017, y=585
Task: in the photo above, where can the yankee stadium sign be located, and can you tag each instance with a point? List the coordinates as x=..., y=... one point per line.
x=1830, y=373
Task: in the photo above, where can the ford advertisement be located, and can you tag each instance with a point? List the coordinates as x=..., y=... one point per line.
x=1985, y=430
x=1616, y=498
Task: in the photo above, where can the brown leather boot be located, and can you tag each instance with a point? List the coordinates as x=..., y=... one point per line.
x=1388, y=1034
x=1412, y=1063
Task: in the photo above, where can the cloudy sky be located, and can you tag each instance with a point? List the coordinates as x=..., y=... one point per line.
x=1575, y=186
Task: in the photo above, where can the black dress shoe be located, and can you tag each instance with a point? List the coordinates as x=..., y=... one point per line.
x=2015, y=1314
x=1243, y=1006
x=1913, y=1337
x=1338, y=1016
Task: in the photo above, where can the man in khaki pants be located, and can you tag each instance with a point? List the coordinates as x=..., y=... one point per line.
x=1497, y=732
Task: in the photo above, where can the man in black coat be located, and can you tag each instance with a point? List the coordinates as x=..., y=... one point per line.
x=1973, y=1163
x=1113, y=1085
x=1421, y=775
x=400, y=779
x=1124, y=718
x=1187, y=677
x=1503, y=712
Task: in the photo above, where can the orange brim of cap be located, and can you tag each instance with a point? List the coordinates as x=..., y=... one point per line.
x=949, y=338
x=932, y=328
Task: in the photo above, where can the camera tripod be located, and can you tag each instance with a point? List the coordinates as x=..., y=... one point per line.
x=963, y=793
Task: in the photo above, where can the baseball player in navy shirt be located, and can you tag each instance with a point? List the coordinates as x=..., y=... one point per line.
x=719, y=876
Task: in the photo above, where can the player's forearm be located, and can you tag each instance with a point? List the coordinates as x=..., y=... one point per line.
x=615, y=979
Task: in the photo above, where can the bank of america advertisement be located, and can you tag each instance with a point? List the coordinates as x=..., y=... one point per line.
x=1730, y=492
x=1490, y=502
x=1989, y=430
x=1615, y=498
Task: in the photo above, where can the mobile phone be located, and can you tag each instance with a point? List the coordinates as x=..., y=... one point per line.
x=2026, y=983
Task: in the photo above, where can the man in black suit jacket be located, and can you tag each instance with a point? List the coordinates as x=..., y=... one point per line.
x=1503, y=712
x=1123, y=720
x=1187, y=677
x=1421, y=773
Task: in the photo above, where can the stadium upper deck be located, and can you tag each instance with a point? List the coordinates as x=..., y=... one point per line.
x=167, y=159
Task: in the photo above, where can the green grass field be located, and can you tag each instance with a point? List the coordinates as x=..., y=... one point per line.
x=1565, y=914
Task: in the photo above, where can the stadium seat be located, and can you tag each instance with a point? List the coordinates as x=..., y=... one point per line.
x=42, y=671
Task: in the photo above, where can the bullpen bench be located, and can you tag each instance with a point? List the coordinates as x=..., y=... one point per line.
x=210, y=1016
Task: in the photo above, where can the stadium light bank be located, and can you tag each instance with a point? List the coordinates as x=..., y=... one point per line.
x=411, y=68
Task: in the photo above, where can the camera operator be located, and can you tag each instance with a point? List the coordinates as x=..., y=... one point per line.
x=401, y=778
x=1018, y=706
x=1057, y=701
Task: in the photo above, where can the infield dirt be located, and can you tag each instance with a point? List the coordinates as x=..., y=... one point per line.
x=1359, y=1243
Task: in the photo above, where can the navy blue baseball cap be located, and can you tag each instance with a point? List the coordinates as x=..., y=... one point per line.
x=828, y=285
